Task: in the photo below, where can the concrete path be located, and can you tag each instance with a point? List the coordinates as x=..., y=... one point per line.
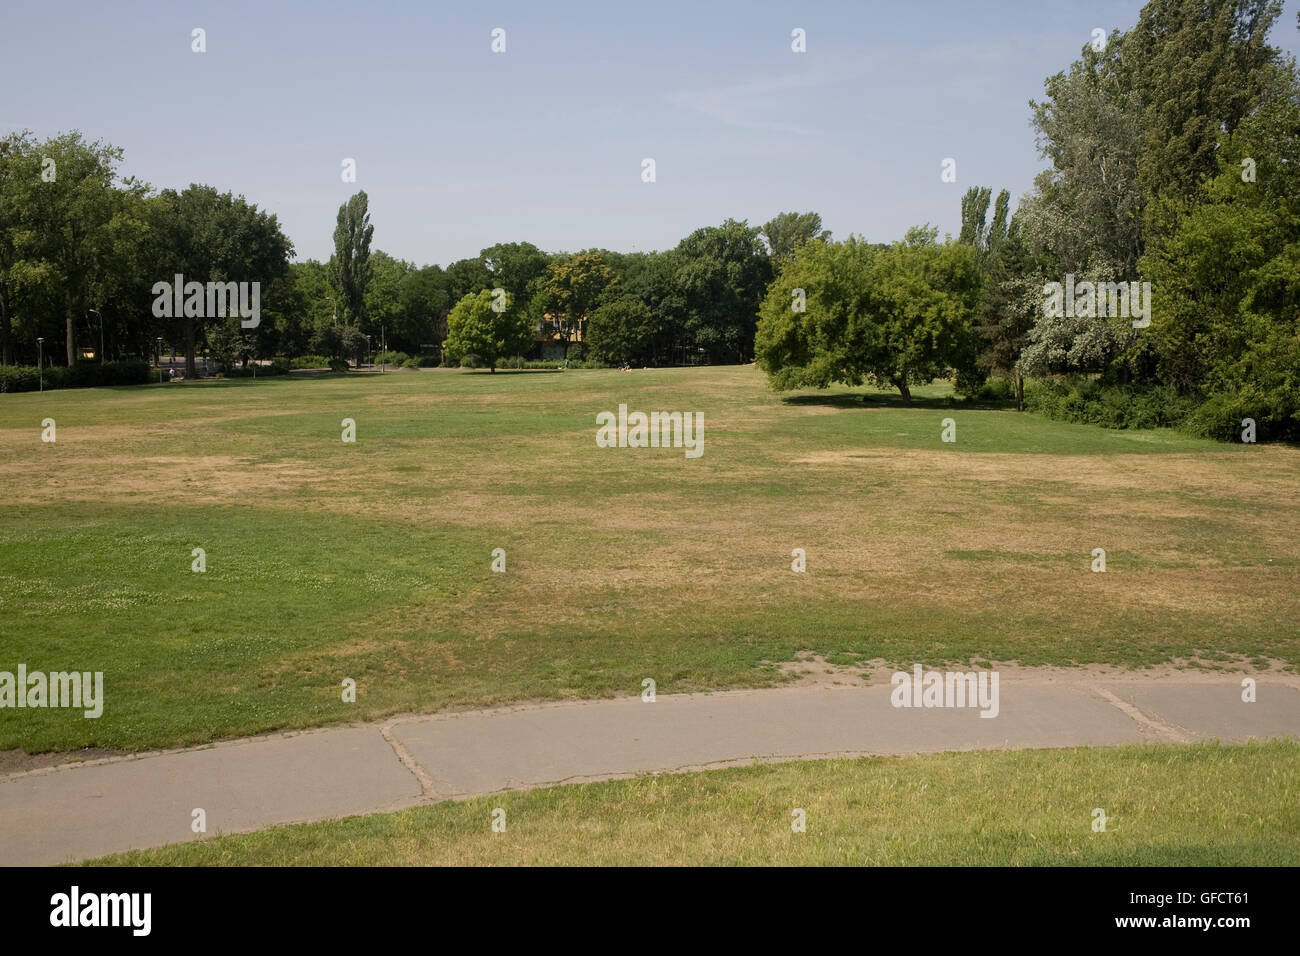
x=77, y=811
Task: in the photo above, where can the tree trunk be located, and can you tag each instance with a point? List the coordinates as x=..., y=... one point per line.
x=6, y=330
x=72, y=333
x=1020, y=392
x=492, y=368
x=905, y=392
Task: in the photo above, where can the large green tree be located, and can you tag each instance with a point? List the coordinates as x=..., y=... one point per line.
x=465, y=276
x=574, y=287
x=1197, y=68
x=1086, y=209
x=75, y=218
x=851, y=312
x=720, y=276
x=476, y=327
x=788, y=230
x=977, y=229
x=1011, y=302
x=18, y=162
x=988, y=237
x=621, y=330
x=517, y=267
x=382, y=306
x=1226, y=280
x=350, y=267
x=424, y=306
x=211, y=236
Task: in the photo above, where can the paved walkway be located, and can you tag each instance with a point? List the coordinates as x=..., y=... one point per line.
x=78, y=811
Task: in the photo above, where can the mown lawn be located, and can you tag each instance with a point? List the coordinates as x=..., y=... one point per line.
x=371, y=560
x=1202, y=805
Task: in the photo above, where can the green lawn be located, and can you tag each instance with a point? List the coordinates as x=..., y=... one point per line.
x=372, y=560
x=1202, y=805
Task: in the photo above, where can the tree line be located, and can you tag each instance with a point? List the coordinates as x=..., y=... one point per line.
x=82, y=247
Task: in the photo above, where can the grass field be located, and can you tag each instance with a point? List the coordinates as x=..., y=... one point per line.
x=1204, y=805
x=371, y=560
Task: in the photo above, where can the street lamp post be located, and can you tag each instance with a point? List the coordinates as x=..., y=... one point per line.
x=40, y=361
x=160, y=360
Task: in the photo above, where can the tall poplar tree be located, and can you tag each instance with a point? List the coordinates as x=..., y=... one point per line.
x=350, y=267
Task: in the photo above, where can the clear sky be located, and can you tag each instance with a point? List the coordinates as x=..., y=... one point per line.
x=459, y=148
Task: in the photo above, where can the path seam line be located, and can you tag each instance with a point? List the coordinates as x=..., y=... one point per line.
x=409, y=762
x=1144, y=720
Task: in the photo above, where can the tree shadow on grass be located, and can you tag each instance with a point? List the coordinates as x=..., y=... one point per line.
x=239, y=380
x=885, y=400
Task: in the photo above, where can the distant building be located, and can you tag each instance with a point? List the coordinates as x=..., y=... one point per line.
x=554, y=336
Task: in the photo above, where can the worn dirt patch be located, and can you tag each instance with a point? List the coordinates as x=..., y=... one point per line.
x=18, y=761
x=812, y=670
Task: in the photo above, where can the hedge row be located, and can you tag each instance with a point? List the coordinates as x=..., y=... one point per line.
x=1275, y=412
x=27, y=378
x=278, y=366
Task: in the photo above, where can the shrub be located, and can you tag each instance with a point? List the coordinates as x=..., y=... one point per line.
x=1275, y=414
x=428, y=361
x=411, y=363
x=996, y=390
x=1160, y=407
x=969, y=382
x=310, y=361
x=19, y=378
x=470, y=361
x=26, y=378
x=1219, y=417
x=127, y=372
x=84, y=375
x=1087, y=401
x=391, y=358
x=338, y=365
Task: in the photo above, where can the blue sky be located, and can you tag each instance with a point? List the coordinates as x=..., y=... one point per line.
x=459, y=148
